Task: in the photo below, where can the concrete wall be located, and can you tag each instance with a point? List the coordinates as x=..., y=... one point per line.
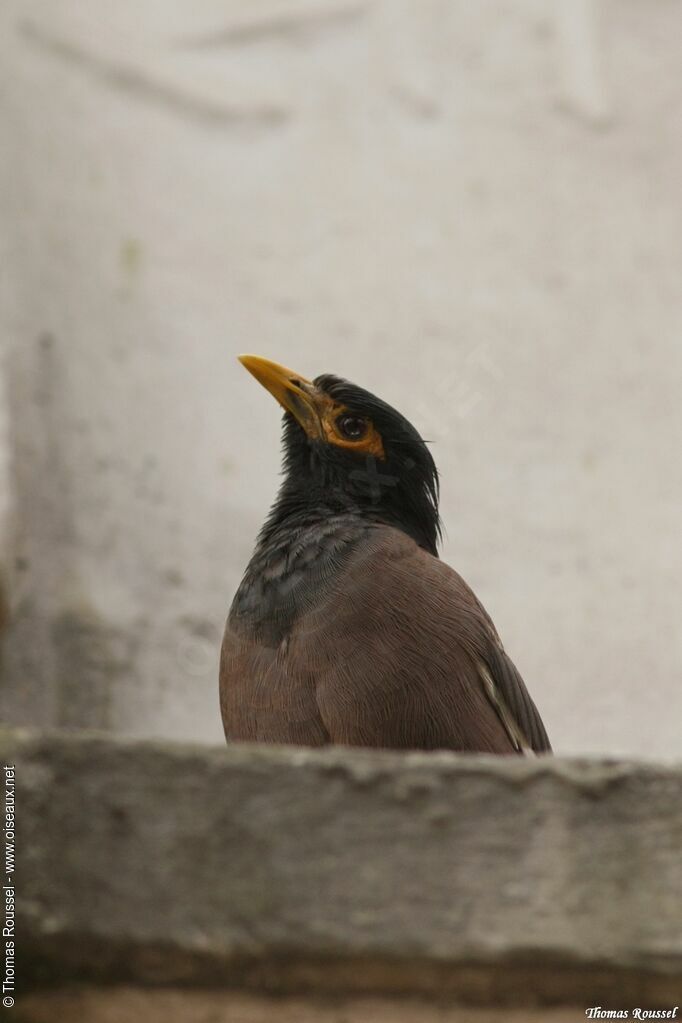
x=460, y=880
x=107, y=1005
x=472, y=209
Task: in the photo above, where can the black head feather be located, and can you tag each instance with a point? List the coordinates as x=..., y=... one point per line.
x=400, y=490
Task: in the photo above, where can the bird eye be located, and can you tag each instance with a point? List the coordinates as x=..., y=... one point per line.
x=352, y=427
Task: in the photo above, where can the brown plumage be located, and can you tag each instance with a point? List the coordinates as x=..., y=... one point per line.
x=347, y=628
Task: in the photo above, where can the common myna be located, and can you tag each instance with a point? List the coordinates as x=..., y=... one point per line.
x=347, y=628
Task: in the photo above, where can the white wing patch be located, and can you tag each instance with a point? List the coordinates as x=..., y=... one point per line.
x=511, y=726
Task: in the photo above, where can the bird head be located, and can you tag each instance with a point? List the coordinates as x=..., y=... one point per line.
x=346, y=449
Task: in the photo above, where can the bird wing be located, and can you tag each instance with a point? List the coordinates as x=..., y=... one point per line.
x=402, y=654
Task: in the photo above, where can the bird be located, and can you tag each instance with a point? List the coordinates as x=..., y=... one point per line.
x=347, y=628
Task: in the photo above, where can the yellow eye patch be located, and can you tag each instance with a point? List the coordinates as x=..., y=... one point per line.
x=369, y=443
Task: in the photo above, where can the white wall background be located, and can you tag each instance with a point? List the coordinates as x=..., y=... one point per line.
x=472, y=209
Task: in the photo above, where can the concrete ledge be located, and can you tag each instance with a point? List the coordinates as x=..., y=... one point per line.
x=486, y=880
x=159, y=1005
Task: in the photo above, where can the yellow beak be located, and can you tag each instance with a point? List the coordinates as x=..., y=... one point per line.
x=295, y=393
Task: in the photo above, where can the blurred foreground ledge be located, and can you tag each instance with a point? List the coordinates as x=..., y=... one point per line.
x=268, y=872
